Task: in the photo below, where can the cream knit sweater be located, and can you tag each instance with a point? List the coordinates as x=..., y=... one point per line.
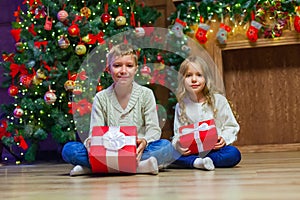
x=140, y=112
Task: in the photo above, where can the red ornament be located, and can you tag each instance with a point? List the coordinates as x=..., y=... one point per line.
x=105, y=18
x=13, y=90
x=74, y=30
x=99, y=88
x=18, y=112
x=26, y=80
x=159, y=58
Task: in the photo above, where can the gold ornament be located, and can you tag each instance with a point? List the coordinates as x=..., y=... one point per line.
x=159, y=66
x=86, y=39
x=69, y=85
x=80, y=49
x=193, y=30
x=39, y=77
x=120, y=21
x=86, y=12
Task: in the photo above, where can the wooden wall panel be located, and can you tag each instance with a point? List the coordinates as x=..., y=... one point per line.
x=264, y=86
x=165, y=7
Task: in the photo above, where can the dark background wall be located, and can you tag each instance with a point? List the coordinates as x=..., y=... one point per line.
x=7, y=42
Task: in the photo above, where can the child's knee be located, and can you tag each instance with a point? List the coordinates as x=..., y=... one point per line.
x=236, y=156
x=68, y=151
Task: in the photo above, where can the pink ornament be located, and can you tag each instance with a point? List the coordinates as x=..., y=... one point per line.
x=62, y=15
x=18, y=112
x=50, y=97
x=159, y=58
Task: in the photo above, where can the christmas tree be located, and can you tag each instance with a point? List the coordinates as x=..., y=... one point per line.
x=51, y=76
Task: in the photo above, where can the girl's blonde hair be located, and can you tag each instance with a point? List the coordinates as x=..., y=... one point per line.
x=209, y=90
x=121, y=50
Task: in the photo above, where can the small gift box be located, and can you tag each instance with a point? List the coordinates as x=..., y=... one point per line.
x=113, y=149
x=198, y=137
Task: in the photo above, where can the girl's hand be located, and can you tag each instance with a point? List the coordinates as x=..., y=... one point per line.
x=141, y=145
x=220, y=143
x=181, y=150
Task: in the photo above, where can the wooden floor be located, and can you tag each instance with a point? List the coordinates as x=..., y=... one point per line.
x=273, y=175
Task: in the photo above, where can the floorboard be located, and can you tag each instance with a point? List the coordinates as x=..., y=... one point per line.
x=270, y=175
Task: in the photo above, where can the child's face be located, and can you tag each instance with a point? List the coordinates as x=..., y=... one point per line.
x=194, y=80
x=123, y=69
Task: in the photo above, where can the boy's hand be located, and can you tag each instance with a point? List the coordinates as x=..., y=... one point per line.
x=141, y=145
x=181, y=150
x=88, y=144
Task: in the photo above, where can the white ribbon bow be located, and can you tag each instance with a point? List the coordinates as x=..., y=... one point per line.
x=196, y=129
x=202, y=127
x=113, y=139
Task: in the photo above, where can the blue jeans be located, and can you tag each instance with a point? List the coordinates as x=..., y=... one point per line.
x=75, y=153
x=227, y=156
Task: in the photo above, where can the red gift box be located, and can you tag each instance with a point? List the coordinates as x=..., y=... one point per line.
x=198, y=137
x=113, y=149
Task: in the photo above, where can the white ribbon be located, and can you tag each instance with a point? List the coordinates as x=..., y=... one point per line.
x=196, y=130
x=113, y=140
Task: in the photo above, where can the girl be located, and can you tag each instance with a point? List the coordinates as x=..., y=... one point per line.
x=124, y=103
x=199, y=100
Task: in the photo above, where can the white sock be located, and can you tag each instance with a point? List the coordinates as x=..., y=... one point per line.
x=204, y=163
x=80, y=170
x=148, y=166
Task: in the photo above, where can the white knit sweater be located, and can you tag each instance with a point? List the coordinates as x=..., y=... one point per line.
x=226, y=124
